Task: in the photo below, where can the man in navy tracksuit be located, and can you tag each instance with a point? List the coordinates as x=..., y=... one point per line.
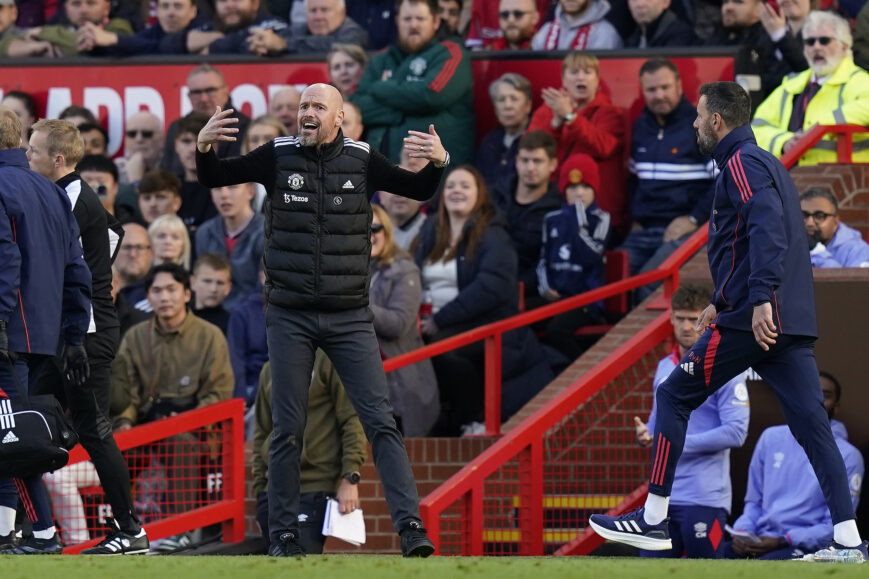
x=45, y=292
x=762, y=315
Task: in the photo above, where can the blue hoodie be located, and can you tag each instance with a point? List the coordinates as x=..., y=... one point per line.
x=846, y=249
x=719, y=424
x=784, y=498
x=758, y=248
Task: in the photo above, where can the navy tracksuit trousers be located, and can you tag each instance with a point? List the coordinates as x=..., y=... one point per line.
x=788, y=367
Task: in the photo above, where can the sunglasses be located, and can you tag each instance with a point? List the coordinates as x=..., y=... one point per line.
x=198, y=92
x=822, y=40
x=133, y=133
x=376, y=227
x=517, y=14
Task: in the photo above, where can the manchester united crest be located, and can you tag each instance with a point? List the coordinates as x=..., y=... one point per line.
x=295, y=181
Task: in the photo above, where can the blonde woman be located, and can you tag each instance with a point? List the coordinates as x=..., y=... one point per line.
x=394, y=298
x=170, y=241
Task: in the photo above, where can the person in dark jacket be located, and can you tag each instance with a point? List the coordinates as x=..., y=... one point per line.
x=658, y=26
x=762, y=316
x=524, y=201
x=469, y=269
x=511, y=98
x=55, y=149
x=45, y=297
x=317, y=255
x=326, y=23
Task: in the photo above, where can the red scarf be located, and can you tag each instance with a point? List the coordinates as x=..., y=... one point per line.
x=579, y=41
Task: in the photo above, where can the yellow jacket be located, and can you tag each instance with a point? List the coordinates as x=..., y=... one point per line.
x=843, y=98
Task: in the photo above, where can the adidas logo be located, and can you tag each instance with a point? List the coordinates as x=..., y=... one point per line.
x=688, y=367
x=10, y=437
x=628, y=526
x=348, y=185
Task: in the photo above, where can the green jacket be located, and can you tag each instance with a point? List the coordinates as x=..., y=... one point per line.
x=64, y=37
x=189, y=364
x=843, y=98
x=433, y=86
x=334, y=442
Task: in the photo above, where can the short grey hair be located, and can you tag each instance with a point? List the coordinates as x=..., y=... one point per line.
x=514, y=80
x=820, y=18
x=339, y=4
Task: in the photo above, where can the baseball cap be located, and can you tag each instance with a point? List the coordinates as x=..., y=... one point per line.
x=579, y=168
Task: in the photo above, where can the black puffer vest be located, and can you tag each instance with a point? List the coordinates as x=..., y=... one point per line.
x=318, y=226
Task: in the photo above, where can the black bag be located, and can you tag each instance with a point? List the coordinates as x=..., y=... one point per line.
x=35, y=436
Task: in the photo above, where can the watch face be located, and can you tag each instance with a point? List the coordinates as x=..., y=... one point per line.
x=353, y=477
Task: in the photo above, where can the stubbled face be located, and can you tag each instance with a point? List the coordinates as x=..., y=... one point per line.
x=534, y=167
x=168, y=245
x=233, y=14
x=175, y=15
x=207, y=91
x=94, y=143
x=320, y=115
x=512, y=107
x=285, y=107
x=210, y=285
x=704, y=127
x=820, y=219
x=143, y=134
x=685, y=327
x=169, y=298
x=135, y=255
x=323, y=16
x=416, y=26
x=662, y=91
x=518, y=20
x=647, y=11
x=233, y=200
x=581, y=83
x=80, y=11
x=344, y=72
x=450, y=13
x=460, y=193
x=739, y=13
x=824, y=59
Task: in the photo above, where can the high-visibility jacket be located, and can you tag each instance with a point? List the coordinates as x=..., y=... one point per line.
x=843, y=98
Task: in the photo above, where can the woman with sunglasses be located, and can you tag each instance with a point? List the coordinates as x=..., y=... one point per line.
x=394, y=298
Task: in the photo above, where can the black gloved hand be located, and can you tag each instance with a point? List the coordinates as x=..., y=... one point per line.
x=75, y=364
x=4, y=342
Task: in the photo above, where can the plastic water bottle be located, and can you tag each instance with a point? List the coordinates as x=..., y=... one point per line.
x=833, y=555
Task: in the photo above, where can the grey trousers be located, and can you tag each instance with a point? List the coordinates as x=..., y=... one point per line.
x=348, y=339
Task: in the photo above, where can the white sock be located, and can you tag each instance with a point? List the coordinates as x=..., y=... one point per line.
x=46, y=534
x=846, y=533
x=7, y=520
x=656, y=508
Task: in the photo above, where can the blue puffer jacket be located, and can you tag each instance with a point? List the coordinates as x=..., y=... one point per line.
x=45, y=285
x=758, y=249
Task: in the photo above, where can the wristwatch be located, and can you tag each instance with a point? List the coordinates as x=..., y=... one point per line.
x=445, y=163
x=352, y=477
x=569, y=117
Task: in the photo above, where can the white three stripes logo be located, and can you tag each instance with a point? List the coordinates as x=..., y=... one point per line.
x=7, y=419
x=688, y=367
x=628, y=526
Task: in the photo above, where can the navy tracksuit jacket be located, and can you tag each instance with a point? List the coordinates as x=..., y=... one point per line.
x=758, y=253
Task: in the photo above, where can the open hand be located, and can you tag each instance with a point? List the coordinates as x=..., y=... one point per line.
x=425, y=145
x=217, y=129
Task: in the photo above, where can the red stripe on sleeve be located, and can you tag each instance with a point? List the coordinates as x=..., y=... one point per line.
x=741, y=170
x=450, y=66
x=735, y=174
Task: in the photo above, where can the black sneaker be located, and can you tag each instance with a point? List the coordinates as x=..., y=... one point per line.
x=287, y=546
x=415, y=541
x=8, y=543
x=34, y=546
x=632, y=529
x=120, y=542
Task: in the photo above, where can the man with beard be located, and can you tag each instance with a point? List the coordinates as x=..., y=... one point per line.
x=518, y=22
x=762, y=316
x=703, y=494
x=833, y=243
x=832, y=91
x=417, y=83
x=317, y=254
x=671, y=184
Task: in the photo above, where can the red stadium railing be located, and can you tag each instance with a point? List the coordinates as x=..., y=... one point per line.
x=844, y=146
x=190, y=466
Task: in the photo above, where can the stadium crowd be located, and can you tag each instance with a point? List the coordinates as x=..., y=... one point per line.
x=523, y=219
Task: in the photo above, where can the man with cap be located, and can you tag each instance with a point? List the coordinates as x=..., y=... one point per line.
x=525, y=199
x=571, y=257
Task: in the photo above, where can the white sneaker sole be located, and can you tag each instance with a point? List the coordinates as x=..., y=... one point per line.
x=638, y=541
